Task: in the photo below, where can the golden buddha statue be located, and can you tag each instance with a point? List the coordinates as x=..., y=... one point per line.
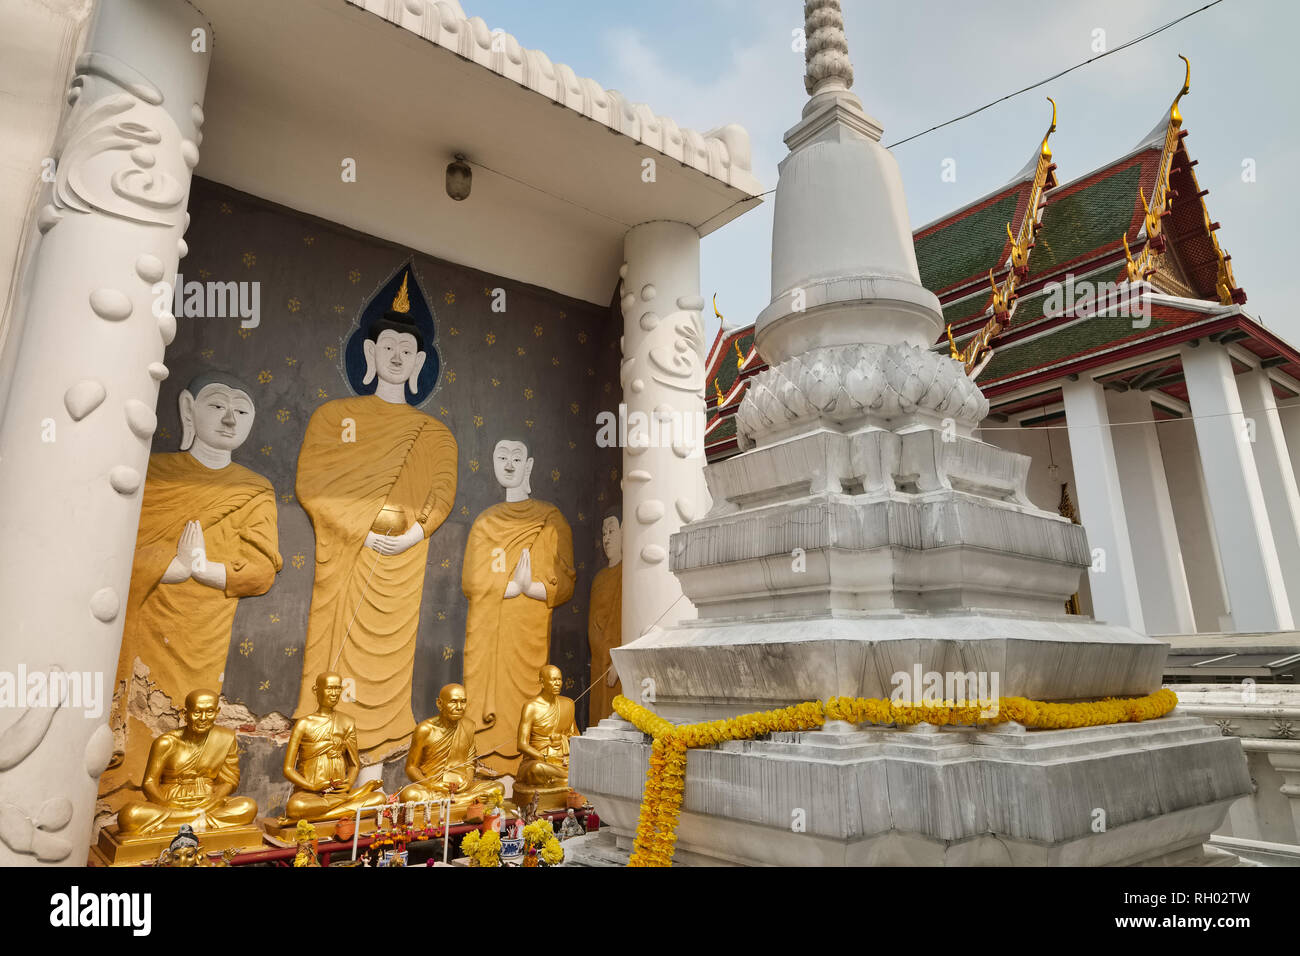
x=605, y=622
x=518, y=568
x=545, y=726
x=443, y=760
x=322, y=763
x=189, y=779
x=374, y=500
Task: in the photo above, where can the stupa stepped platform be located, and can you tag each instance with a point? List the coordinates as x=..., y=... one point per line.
x=1121, y=794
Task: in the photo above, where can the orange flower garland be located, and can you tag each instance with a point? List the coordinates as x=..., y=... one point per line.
x=665, y=782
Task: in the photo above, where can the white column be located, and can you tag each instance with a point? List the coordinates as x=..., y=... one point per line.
x=1289, y=414
x=1113, y=580
x=1196, y=538
x=1251, y=570
x=75, y=434
x=1276, y=477
x=662, y=372
x=1153, y=535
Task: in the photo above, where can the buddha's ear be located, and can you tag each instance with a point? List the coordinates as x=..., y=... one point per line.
x=186, y=404
x=528, y=474
x=413, y=383
x=368, y=347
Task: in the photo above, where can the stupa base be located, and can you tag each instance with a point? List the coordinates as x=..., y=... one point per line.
x=1123, y=794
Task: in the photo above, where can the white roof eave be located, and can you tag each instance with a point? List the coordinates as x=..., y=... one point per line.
x=722, y=154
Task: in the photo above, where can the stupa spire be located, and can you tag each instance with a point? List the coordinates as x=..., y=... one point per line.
x=826, y=49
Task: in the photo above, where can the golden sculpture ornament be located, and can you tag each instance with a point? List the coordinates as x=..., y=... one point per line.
x=322, y=762
x=190, y=778
x=545, y=725
x=443, y=762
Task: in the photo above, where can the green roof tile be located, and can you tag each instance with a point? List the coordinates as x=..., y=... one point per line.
x=1095, y=216
x=969, y=247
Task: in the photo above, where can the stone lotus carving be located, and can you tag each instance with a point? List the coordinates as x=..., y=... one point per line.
x=845, y=383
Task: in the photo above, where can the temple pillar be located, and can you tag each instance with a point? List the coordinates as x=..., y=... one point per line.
x=76, y=431
x=1113, y=575
x=1276, y=476
x=662, y=376
x=1153, y=535
x=1257, y=596
x=1196, y=541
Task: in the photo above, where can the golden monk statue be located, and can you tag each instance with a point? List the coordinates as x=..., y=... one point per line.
x=605, y=623
x=443, y=761
x=545, y=725
x=190, y=777
x=322, y=762
x=377, y=477
x=518, y=568
x=207, y=537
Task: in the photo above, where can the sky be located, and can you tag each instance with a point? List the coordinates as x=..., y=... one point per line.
x=921, y=62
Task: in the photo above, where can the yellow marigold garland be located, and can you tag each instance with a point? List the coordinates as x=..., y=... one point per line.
x=665, y=782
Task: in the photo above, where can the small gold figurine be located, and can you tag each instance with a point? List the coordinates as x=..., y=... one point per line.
x=184, y=851
x=322, y=763
x=190, y=778
x=443, y=761
x=545, y=726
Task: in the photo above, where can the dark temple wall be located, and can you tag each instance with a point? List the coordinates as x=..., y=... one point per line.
x=539, y=372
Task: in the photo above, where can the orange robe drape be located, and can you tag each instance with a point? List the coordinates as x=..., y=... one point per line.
x=358, y=456
x=604, y=633
x=508, y=641
x=181, y=632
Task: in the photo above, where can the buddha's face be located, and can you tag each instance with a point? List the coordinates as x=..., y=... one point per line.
x=511, y=463
x=329, y=690
x=222, y=416
x=452, y=702
x=201, y=713
x=397, y=357
x=611, y=539
x=552, y=679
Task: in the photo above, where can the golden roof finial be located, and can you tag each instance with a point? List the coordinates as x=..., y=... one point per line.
x=1175, y=116
x=717, y=389
x=740, y=356
x=1046, y=151
x=403, y=302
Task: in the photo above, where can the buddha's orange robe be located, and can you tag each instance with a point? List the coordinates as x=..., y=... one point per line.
x=604, y=633
x=365, y=607
x=181, y=631
x=507, y=641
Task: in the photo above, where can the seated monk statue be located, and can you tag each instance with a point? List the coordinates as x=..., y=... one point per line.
x=545, y=726
x=189, y=777
x=321, y=761
x=443, y=760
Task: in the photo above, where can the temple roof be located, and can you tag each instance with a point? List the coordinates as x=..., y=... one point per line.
x=1086, y=224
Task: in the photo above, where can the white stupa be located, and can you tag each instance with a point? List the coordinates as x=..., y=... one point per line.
x=865, y=534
